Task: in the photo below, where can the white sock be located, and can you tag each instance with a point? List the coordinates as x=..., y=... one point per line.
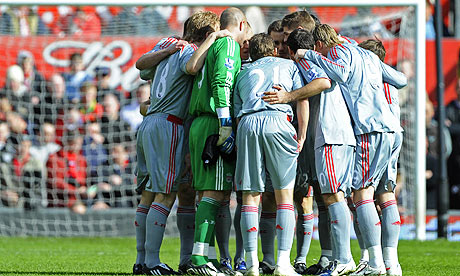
x=252, y=260
x=364, y=255
x=390, y=256
x=284, y=258
x=375, y=256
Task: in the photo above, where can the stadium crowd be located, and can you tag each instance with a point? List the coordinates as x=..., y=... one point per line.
x=67, y=141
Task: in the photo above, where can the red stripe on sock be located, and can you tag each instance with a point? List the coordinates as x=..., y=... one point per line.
x=364, y=201
x=285, y=207
x=388, y=203
x=254, y=209
x=160, y=209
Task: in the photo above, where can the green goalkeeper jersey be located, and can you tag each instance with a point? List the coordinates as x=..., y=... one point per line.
x=213, y=86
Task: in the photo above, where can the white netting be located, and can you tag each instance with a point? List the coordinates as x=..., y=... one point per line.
x=67, y=128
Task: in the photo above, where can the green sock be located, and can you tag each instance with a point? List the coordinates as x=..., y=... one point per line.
x=205, y=220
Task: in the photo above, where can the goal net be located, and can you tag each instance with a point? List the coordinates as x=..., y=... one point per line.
x=69, y=101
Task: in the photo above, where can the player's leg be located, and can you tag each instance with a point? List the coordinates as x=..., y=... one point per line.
x=373, y=153
x=140, y=223
x=303, y=198
x=212, y=181
x=156, y=224
x=304, y=228
x=250, y=226
x=164, y=167
x=268, y=229
x=334, y=167
x=364, y=259
x=325, y=240
x=279, y=144
x=223, y=226
x=144, y=204
x=391, y=223
x=390, y=215
x=250, y=179
x=185, y=222
x=285, y=224
x=239, y=262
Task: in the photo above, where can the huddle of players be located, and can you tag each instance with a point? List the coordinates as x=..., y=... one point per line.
x=352, y=142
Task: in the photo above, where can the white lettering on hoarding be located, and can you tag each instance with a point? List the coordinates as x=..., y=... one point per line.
x=97, y=54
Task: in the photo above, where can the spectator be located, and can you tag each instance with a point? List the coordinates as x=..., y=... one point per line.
x=22, y=21
x=103, y=83
x=28, y=171
x=45, y=144
x=130, y=113
x=18, y=128
x=17, y=93
x=33, y=80
x=58, y=22
x=67, y=176
x=90, y=110
x=54, y=102
x=94, y=152
x=86, y=23
x=71, y=122
x=118, y=191
x=8, y=192
x=115, y=129
x=430, y=31
x=75, y=78
x=5, y=107
x=126, y=22
x=432, y=173
x=453, y=163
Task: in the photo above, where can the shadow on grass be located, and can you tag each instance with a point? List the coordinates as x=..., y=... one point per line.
x=60, y=273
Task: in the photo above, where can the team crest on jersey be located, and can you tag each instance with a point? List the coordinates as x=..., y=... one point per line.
x=229, y=177
x=229, y=63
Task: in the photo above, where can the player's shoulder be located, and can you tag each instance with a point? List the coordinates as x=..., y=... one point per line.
x=166, y=42
x=340, y=50
x=189, y=48
x=310, y=70
x=225, y=43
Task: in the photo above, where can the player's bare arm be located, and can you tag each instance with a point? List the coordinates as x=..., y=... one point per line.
x=282, y=96
x=152, y=59
x=198, y=58
x=303, y=113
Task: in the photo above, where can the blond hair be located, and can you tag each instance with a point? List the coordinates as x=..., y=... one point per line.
x=200, y=24
x=327, y=35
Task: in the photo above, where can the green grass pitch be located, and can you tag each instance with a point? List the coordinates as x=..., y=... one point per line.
x=115, y=256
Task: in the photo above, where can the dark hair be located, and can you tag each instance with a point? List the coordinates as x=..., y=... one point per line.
x=375, y=46
x=299, y=19
x=275, y=26
x=74, y=56
x=316, y=19
x=261, y=45
x=300, y=39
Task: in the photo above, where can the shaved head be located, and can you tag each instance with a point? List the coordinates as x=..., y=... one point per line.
x=231, y=17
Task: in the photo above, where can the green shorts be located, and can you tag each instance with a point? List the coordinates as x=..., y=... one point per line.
x=218, y=177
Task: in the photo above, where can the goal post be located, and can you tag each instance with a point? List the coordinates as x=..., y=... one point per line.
x=415, y=175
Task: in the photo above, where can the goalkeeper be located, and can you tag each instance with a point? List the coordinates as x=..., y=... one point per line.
x=210, y=105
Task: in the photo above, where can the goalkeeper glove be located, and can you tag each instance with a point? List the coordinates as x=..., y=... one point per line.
x=226, y=141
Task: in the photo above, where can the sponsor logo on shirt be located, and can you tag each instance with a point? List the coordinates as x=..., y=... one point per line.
x=312, y=75
x=229, y=63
